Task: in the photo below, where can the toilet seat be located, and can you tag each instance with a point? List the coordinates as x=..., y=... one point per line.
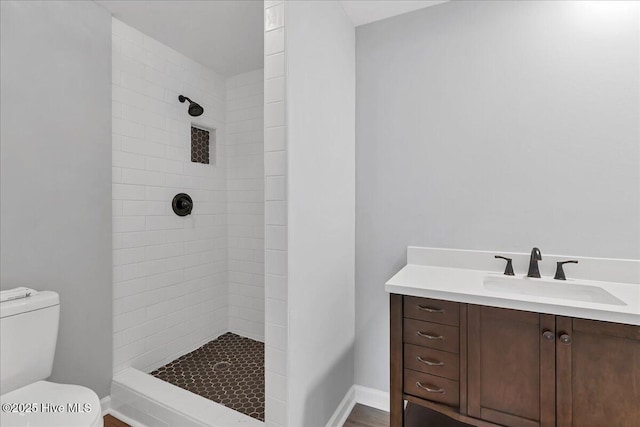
x=46, y=396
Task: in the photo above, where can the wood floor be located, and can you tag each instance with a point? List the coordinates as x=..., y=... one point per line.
x=361, y=416
x=110, y=421
x=364, y=416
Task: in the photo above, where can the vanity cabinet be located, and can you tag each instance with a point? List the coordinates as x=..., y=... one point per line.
x=489, y=366
x=598, y=373
x=511, y=367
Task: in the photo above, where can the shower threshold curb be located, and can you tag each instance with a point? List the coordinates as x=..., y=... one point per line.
x=153, y=402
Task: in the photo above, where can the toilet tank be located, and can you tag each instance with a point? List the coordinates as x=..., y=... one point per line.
x=28, y=335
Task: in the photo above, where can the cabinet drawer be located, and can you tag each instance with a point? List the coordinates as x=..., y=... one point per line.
x=432, y=335
x=432, y=361
x=430, y=387
x=432, y=310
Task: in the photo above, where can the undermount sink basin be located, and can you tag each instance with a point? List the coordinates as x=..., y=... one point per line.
x=574, y=291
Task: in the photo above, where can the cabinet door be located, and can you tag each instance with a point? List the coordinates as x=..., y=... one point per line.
x=598, y=370
x=511, y=367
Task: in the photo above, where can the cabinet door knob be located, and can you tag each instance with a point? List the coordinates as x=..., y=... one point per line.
x=565, y=339
x=548, y=335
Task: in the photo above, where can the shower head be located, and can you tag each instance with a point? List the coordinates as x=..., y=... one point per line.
x=195, y=109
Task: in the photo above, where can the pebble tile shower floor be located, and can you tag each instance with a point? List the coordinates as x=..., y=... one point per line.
x=228, y=370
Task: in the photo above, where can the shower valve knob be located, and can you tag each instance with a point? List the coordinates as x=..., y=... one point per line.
x=182, y=204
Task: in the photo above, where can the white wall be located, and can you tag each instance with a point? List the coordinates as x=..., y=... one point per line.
x=245, y=203
x=55, y=152
x=170, y=272
x=497, y=126
x=320, y=43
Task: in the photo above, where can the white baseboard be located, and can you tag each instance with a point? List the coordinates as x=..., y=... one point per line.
x=344, y=409
x=105, y=405
x=358, y=394
x=371, y=397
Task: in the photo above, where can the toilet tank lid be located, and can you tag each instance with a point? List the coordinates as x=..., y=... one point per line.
x=22, y=300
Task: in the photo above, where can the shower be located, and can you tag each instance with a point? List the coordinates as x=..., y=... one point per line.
x=195, y=109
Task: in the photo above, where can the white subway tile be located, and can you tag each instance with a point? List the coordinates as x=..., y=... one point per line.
x=275, y=212
x=275, y=360
x=269, y=3
x=145, y=207
x=154, y=134
x=128, y=65
x=127, y=160
x=275, y=411
x=128, y=320
x=140, y=146
x=127, y=192
x=274, y=90
x=274, y=114
x=143, y=177
x=128, y=256
x=127, y=128
x=274, y=41
x=128, y=223
x=164, y=165
x=275, y=188
x=274, y=17
x=275, y=262
x=275, y=163
x=276, y=336
x=164, y=222
x=274, y=139
x=274, y=65
x=126, y=32
x=277, y=384
x=276, y=237
x=116, y=208
x=128, y=287
x=128, y=97
x=275, y=287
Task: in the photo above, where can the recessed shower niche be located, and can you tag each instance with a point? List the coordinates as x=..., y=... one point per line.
x=203, y=145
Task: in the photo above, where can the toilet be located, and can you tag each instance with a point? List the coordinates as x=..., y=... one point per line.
x=28, y=336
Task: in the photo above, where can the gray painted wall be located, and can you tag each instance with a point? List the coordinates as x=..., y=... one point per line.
x=320, y=95
x=495, y=126
x=55, y=210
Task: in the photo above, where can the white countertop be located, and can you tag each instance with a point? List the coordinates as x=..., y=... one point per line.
x=467, y=286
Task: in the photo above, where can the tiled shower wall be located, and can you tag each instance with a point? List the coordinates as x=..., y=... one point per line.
x=275, y=242
x=245, y=203
x=170, y=272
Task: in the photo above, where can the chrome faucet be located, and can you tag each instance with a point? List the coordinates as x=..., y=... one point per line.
x=533, y=263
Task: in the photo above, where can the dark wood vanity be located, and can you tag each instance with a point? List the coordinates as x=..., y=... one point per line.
x=488, y=366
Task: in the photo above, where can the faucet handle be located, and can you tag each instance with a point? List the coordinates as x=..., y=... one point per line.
x=560, y=271
x=509, y=268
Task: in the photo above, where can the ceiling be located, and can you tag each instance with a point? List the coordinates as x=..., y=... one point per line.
x=226, y=36
x=366, y=11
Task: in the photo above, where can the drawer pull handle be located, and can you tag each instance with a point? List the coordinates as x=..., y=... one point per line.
x=430, y=362
x=430, y=309
x=429, y=337
x=429, y=388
